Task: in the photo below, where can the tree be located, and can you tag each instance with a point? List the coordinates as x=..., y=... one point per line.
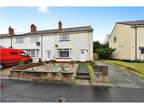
x=96, y=44
x=104, y=53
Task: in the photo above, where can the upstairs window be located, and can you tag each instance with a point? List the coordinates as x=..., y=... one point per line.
x=34, y=39
x=64, y=37
x=114, y=39
x=19, y=39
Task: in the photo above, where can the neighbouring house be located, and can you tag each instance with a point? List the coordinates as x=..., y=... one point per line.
x=61, y=44
x=128, y=40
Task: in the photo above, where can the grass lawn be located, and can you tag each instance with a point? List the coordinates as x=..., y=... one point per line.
x=137, y=67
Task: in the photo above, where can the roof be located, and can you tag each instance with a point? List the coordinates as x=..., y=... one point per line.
x=137, y=22
x=72, y=29
x=52, y=31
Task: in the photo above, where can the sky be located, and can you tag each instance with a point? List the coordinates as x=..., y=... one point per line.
x=101, y=19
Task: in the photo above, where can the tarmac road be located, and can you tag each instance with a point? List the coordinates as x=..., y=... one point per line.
x=25, y=91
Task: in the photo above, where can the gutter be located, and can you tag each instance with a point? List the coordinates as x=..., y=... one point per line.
x=135, y=43
x=135, y=27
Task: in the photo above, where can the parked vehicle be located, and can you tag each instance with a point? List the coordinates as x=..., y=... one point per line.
x=11, y=57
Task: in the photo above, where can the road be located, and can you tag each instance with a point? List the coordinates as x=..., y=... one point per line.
x=25, y=91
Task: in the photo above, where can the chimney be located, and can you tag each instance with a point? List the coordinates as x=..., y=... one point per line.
x=11, y=31
x=59, y=25
x=33, y=28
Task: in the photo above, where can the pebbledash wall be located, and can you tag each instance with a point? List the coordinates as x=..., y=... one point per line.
x=62, y=44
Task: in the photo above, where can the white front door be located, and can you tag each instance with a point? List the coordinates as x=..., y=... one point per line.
x=83, y=55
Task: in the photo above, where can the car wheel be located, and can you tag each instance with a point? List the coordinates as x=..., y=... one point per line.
x=1, y=66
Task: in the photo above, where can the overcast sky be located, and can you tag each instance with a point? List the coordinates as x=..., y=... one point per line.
x=102, y=19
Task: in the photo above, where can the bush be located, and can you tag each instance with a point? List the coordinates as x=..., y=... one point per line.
x=91, y=73
x=104, y=53
x=21, y=63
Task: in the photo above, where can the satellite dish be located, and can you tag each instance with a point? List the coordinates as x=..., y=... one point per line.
x=38, y=43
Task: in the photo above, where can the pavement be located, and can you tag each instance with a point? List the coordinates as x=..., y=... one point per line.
x=24, y=91
x=5, y=72
x=83, y=68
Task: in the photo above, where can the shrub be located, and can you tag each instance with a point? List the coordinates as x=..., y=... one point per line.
x=91, y=72
x=104, y=53
x=21, y=63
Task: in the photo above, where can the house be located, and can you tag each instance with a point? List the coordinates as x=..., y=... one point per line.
x=61, y=44
x=128, y=40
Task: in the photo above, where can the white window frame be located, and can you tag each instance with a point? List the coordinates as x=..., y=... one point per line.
x=65, y=37
x=34, y=39
x=19, y=40
x=29, y=52
x=66, y=49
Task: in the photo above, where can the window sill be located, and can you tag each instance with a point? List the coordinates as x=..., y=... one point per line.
x=19, y=43
x=63, y=40
x=63, y=58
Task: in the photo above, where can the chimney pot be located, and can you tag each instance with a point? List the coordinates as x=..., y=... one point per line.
x=59, y=25
x=33, y=28
x=11, y=31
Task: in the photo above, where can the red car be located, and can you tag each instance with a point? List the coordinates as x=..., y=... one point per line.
x=11, y=57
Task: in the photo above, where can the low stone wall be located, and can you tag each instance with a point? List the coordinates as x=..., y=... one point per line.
x=51, y=76
x=101, y=73
x=25, y=66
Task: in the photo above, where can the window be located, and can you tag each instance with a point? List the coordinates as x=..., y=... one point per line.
x=23, y=54
x=142, y=50
x=114, y=39
x=19, y=39
x=13, y=53
x=64, y=37
x=64, y=53
x=32, y=52
x=34, y=39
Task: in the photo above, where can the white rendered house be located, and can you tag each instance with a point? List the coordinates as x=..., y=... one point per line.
x=62, y=44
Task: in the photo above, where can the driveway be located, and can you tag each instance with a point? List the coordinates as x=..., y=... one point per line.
x=23, y=91
x=122, y=77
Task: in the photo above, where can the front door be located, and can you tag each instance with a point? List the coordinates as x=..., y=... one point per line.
x=83, y=55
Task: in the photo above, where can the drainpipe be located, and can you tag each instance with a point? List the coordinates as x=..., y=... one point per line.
x=42, y=47
x=11, y=41
x=135, y=42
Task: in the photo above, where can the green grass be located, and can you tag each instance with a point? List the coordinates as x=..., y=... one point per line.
x=91, y=73
x=137, y=67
